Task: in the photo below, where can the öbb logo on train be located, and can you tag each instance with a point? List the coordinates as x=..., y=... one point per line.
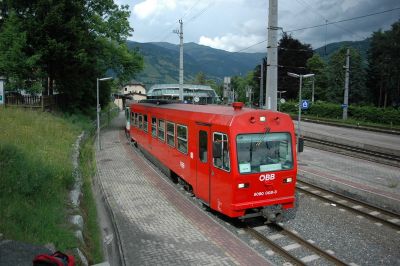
x=267, y=177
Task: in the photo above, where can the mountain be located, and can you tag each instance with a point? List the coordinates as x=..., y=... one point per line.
x=162, y=62
x=361, y=46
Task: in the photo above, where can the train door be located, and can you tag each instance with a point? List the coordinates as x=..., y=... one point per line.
x=203, y=163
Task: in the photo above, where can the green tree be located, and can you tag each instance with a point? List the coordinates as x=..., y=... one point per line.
x=241, y=84
x=15, y=64
x=336, y=77
x=78, y=41
x=292, y=57
x=200, y=79
x=317, y=65
x=384, y=67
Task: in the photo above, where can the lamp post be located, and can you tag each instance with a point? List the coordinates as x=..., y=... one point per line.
x=299, y=115
x=280, y=97
x=98, y=111
x=312, y=95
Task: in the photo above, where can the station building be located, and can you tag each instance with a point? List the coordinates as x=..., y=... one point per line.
x=201, y=94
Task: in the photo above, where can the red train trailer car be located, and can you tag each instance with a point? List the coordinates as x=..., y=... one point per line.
x=238, y=161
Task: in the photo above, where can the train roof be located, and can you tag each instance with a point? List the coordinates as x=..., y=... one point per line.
x=206, y=109
x=221, y=115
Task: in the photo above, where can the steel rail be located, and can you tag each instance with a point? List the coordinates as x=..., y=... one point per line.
x=265, y=240
x=277, y=248
x=366, y=205
x=379, y=157
x=311, y=246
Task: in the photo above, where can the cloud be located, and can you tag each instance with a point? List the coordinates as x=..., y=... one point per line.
x=150, y=8
x=232, y=42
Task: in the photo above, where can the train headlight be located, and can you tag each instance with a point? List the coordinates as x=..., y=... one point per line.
x=288, y=180
x=262, y=118
x=243, y=185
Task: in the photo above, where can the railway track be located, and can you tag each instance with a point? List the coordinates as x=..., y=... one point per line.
x=357, y=152
x=378, y=215
x=287, y=244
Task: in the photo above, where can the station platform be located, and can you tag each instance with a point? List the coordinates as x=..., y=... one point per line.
x=154, y=223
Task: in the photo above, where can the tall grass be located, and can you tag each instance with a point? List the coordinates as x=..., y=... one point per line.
x=35, y=176
x=92, y=230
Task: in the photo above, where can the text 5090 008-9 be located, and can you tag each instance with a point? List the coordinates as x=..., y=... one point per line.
x=262, y=193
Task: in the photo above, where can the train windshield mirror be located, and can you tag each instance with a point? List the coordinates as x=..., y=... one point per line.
x=264, y=152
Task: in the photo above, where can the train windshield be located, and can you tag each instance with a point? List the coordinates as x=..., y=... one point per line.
x=264, y=152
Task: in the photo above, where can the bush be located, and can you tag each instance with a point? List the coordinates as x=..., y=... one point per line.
x=388, y=116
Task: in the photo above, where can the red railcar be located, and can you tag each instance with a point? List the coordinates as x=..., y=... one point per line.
x=238, y=161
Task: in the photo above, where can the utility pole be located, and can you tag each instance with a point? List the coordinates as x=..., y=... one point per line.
x=313, y=87
x=260, y=104
x=272, y=57
x=249, y=92
x=180, y=32
x=346, y=85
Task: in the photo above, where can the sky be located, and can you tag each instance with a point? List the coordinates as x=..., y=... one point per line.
x=241, y=25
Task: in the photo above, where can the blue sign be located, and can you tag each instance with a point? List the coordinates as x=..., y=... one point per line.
x=305, y=104
x=344, y=106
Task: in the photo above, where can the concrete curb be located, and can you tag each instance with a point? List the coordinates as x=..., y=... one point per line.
x=111, y=215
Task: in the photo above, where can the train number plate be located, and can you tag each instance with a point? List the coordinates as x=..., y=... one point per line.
x=265, y=193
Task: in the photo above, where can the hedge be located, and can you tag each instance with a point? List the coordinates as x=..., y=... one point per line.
x=388, y=116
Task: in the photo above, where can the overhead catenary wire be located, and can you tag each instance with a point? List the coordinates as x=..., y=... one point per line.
x=191, y=19
x=326, y=22
x=324, y=25
x=344, y=20
x=200, y=12
x=190, y=9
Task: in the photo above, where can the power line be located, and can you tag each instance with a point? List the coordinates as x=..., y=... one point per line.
x=167, y=34
x=200, y=12
x=325, y=24
x=250, y=46
x=344, y=20
x=190, y=9
x=326, y=19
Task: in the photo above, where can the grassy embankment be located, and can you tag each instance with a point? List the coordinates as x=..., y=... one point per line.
x=36, y=177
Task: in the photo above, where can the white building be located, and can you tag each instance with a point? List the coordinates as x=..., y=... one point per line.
x=131, y=91
x=191, y=93
x=136, y=89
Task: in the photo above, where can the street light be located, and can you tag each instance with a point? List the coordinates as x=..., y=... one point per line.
x=299, y=116
x=98, y=111
x=280, y=99
x=312, y=95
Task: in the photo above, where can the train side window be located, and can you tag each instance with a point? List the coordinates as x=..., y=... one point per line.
x=222, y=160
x=133, y=118
x=203, y=146
x=161, y=129
x=136, y=119
x=140, y=121
x=145, y=123
x=154, y=127
x=171, y=134
x=182, y=137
